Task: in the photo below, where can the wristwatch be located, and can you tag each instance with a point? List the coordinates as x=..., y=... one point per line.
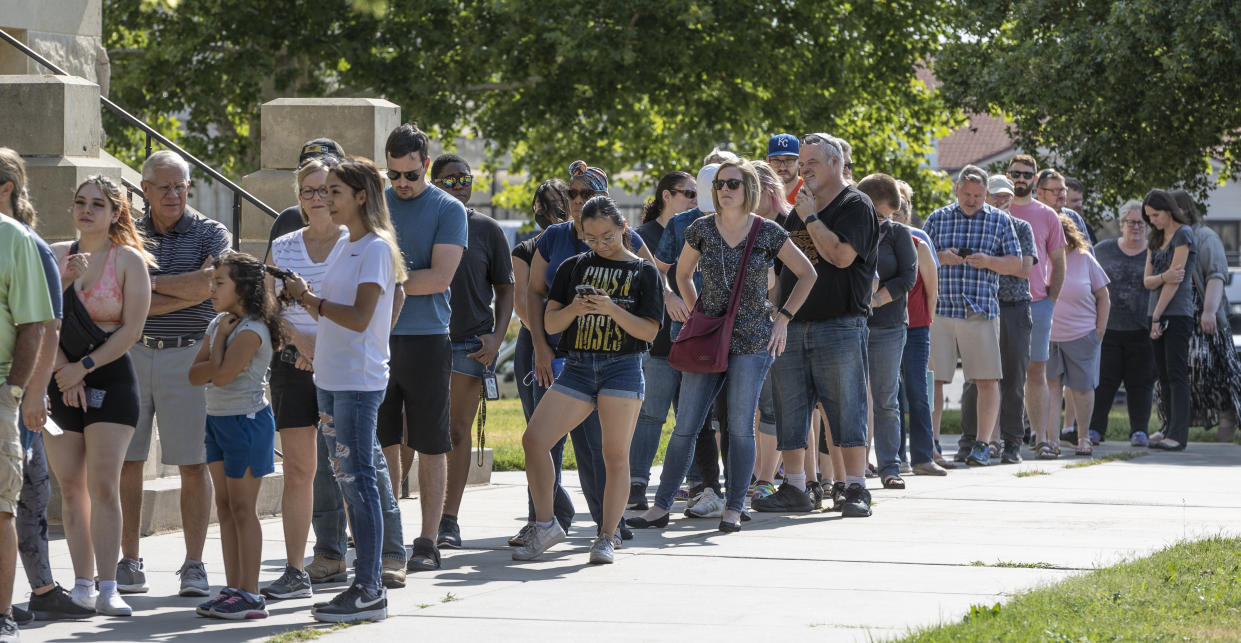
x=784, y=311
x=88, y=363
x=14, y=391
x=153, y=283
x=811, y=219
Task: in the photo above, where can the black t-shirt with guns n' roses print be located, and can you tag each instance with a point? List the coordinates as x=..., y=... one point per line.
x=633, y=285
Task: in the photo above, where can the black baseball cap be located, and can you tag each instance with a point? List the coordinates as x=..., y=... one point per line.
x=319, y=148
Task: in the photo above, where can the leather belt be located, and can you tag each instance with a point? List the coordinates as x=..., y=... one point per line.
x=170, y=342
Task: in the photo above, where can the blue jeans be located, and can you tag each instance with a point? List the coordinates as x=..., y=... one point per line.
x=825, y=361
x=361, y=471
x=662, y=382
x=917, y=354
x=884, y=349
x=743, y=379
x=328, y=511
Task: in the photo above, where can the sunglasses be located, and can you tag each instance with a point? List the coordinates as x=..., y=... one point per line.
x=689, y=194
x=453, y=181
x=585, y=194
x=732, y=184
x=411, y=175
x=1020, y=174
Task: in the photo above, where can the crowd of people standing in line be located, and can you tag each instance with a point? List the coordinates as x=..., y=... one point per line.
x=377, y=316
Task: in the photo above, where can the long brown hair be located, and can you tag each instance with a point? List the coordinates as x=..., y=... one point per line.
x=250, y=280
x=1161, y=200
x=1076, y=240
x=361, y=175
x=13, y=170
x=122, y=231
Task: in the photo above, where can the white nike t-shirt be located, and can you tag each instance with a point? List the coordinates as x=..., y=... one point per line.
x=346, y=360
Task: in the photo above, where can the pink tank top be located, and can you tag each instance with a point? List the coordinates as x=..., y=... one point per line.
x=104, y=300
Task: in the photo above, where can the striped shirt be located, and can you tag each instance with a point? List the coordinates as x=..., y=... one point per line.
x=964, y=289
x=288, y=252
x=183, y=249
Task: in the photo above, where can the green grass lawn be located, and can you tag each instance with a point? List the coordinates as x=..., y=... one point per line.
x=1188, y=592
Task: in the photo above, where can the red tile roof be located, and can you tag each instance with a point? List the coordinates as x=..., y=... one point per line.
x=983, y=138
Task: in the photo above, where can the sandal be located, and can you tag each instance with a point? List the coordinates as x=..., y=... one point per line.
x=893, y=482
x=425, y=556
x=1084, y=447
x=1046, y=451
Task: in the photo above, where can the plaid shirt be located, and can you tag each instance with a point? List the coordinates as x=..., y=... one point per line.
x=964, y=289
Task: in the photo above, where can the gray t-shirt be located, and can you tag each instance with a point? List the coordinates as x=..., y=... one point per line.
x=1129, y=297
x=1016, y=289
x=1212, y=264
x=247, y=393
x=1182, y=304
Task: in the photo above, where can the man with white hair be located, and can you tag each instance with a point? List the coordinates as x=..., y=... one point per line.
x=185, y=246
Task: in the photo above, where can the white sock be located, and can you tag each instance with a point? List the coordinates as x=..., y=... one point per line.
x=107, y=586
x=544, y=525
x=83, y=589
x=855, y=480
x=798, y=480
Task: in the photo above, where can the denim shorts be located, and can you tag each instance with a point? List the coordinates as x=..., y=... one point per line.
x=469, y=366
x=586, y=376
x=1040, y=333
x=243, y=442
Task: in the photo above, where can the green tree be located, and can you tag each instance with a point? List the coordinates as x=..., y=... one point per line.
x=1127, y=95
x=639, y=84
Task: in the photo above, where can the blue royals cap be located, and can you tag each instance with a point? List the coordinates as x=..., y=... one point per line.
x=783, y=145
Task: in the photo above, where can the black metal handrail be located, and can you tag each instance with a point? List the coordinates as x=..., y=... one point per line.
x=239, y=193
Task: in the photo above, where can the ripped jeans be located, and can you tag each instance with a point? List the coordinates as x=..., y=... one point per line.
x=349, y=433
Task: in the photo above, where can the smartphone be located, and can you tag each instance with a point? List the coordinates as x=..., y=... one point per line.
x=583, y=289
x=492, y=387
x=965, y=252
x=94, y=397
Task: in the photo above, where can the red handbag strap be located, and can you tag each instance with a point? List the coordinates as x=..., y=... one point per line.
x=735, y=301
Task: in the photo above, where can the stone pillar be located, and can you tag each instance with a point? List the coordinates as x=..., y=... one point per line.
x=66, y=32
x=53, y=122
x=360, y=125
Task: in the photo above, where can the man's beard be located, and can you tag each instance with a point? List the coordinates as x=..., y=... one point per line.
x=1021, y=191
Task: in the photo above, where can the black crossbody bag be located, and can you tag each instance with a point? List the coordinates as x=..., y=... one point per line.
x=79, y=334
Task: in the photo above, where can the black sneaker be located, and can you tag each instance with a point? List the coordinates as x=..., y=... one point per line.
x=1011, y=453
x=625, y=532
x=815, y=490
x=857, y=502
x=21, y=616
x=838, y=496
x=786, y=499
x=57, y=604
x=450, y=533
x=353, y=604
x=637, y=496
x=963, y=452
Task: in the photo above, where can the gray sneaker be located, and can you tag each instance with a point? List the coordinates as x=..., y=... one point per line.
x=294, y=583
x=194, y=579
x=603, y=552
x=130, y=579
x=540, y=540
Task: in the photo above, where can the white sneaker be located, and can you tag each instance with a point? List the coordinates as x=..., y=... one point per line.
x=540, y=540
x=709, y=505
x=84, y=597
x=602, y=552
x=111, y=604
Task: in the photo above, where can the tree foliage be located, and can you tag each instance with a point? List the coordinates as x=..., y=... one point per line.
x=651, y=85
x=1128, y=95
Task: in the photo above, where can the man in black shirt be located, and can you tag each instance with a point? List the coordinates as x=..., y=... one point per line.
x=825, y=362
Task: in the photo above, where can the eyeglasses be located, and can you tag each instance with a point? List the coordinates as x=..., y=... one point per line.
x=689, y=194
x=732, y=184
x=308, y=194
x=454, y=181
x=1021, y=174
x=601, y=241
x=1055, y=191
x=849, y=166
x=585, y=194
x=1133, y=224
x=782, y=161
x=411, y=175
x=179, y=188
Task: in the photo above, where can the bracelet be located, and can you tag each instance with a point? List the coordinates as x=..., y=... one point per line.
x=784, y=311
x=319, y=308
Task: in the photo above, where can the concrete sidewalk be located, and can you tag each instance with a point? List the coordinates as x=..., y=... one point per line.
x=912, y=564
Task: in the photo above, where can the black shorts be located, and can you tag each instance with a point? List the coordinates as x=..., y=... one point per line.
x=293, y=397
x=119, y=383
x=419, y=372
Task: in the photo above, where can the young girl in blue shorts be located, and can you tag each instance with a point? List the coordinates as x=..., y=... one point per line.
x=241, y=430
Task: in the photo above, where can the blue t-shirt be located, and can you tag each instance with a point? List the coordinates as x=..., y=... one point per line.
x=52, y=274
x=559, y=242
x=430, y=218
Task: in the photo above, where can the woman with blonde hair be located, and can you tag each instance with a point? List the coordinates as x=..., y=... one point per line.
x=94, y=396
x=354, y=309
